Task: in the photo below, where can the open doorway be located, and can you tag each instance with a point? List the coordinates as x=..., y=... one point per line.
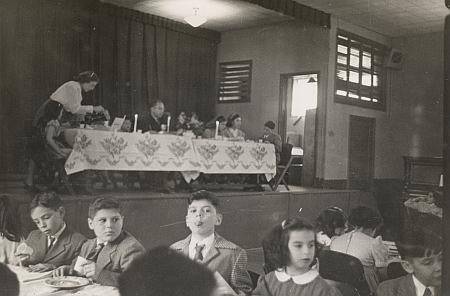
x=298, y=121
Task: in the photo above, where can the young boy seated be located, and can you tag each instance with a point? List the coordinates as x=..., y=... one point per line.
x=53, y=244
x=111, y=252
x=209, y=248
x=165, y=272
x=421, y=254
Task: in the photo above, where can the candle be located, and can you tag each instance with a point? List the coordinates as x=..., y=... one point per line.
x=441, y=181
x=168, y=123
x=135, y=122
x=217, y=130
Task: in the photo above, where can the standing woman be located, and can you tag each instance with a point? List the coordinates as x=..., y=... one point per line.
x=69, y=95
x=233, y=130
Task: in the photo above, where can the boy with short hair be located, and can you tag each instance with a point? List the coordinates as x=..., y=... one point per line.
x=421, y=254
x=53, y=244
x=106, y=256
x=209, y=248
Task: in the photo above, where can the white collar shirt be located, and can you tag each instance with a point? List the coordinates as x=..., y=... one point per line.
x=208, y=242
x=55, y=236
x=420, y=288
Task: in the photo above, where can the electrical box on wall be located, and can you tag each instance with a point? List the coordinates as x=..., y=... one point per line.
x=394, y=59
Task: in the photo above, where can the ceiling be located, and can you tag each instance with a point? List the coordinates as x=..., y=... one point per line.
x=222, y=15
x=388, y=17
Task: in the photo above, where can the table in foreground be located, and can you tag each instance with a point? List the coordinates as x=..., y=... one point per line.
x=33, y=284
x=106, y=150
x=39, y=288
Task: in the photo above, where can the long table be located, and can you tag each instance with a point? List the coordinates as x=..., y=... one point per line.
x=107, y=150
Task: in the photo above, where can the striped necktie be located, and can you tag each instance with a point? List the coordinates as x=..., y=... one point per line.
x=198, y=252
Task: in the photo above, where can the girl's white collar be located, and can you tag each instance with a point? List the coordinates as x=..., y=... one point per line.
x=301, y=279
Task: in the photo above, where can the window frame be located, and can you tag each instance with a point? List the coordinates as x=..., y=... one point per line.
x=242, y=99
x=376, y=50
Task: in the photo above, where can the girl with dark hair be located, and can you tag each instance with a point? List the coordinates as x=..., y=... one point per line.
x=52, y=130
x=10, y=231
x=362, y=244
x=233, y=130
x=292, y=246
x=330, y=223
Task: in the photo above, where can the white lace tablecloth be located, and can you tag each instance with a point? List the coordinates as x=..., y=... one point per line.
x=106, y=150
x=425, y=207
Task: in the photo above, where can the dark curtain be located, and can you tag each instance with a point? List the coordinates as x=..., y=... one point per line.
x=138, y=57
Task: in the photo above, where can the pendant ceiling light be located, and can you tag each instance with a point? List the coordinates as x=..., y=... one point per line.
x=195, y=19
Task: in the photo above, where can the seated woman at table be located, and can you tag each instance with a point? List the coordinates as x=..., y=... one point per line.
x=195, y=124
x=180, y=125
x=69, y=95
x=233, y=130
x=210, y=127
x=362, y=244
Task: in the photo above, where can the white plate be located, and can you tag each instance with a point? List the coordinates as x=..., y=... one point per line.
x=66, y=282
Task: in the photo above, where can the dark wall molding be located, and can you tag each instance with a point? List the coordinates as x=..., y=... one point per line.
x=296, y=10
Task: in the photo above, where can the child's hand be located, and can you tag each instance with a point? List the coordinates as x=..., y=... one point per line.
x=41, y=267
x=89, y=269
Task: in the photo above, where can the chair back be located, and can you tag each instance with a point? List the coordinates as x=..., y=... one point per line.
x=343, y=268
x=254, y=277
x=286, y=150
x=344, y=288
x=395, y=270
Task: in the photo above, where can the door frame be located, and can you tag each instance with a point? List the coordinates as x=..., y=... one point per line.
x=371, y=154
x=282, y=107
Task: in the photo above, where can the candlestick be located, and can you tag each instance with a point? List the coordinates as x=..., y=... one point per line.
x=217, y=130
x=168, y=124
x=135, y=122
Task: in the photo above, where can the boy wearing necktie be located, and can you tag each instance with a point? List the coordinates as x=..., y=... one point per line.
x=210, y=249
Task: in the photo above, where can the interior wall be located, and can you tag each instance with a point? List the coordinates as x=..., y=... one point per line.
x=290, y=47
x=338, y=117
x=417, y=95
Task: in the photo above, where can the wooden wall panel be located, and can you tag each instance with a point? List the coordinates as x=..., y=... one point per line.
x=247, y=216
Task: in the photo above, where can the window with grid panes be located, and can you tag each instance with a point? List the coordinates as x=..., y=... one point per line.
x=360, y=75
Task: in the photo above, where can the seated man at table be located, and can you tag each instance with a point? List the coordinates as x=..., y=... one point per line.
x=154, y=120
x=165, y=272
x=421, y=253
x=53, y=244
x=111, y=252
x=270, y=136
x=209, y=248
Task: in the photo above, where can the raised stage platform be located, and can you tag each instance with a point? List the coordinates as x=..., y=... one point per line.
x=157, y=218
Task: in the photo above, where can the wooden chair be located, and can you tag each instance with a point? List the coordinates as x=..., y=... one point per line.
x=286, y=161
x=343, y=268
x=395, y=270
